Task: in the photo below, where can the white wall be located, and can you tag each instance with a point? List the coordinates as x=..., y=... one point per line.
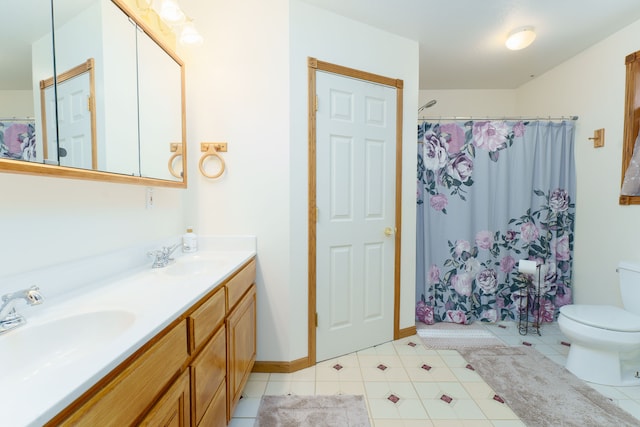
x=247, y=85
x=464, y=102
x=238, y=92
x=332, y=38
x=16, y=103
x=592, y=86
x=47, y=221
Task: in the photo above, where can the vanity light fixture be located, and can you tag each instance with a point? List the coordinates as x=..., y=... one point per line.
x=171, y=13
x=189, y=35
x=520, y=38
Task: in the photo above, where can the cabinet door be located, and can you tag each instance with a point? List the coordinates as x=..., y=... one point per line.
x=173, y=408
x=241, y=344
x=207, y=374
x=215, y=415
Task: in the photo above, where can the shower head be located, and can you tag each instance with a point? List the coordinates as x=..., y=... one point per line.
x=427, y=105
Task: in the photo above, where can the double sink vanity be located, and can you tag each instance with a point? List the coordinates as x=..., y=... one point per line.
x=169, y=346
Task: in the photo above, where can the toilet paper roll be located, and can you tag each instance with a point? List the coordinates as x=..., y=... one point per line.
x=526, y=266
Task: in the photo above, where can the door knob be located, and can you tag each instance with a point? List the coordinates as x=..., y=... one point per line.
x=388, y=231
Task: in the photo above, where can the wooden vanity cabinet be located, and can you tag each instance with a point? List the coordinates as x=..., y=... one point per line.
x=222, y=365
x=121, y=400
x=191, y=374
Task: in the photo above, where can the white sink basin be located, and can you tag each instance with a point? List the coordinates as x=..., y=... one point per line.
x=32, y=350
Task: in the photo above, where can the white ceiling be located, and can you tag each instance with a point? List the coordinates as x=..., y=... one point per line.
x=462, y=41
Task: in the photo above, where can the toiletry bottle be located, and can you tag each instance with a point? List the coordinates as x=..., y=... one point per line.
x=189, y=241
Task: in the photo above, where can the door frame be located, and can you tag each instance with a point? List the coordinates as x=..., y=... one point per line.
x=314, y=65
x=86, y=67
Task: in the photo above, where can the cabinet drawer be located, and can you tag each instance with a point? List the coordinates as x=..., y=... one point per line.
x=207, y=373
x=207, y=318
x=216, y=415
x=121, y=401
x=238, y=285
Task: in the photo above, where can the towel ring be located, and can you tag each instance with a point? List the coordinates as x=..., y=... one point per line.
x=210, y=151
x=175, y=147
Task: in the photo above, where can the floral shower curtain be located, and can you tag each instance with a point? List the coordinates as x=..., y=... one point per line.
x=491, y=193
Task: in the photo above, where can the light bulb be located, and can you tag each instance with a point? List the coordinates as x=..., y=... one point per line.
x=189, y=35
x=170, y=11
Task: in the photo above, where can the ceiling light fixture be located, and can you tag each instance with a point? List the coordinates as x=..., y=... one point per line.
x=520, y=38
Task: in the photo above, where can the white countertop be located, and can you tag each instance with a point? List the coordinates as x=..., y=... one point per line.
x=48, y=378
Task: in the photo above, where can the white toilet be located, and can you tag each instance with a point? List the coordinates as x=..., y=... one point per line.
x=605, y=340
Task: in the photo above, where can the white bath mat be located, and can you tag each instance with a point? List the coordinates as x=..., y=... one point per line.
x=451, y=336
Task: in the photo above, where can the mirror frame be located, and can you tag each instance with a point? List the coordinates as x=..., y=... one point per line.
x=631, y=119
x=42, y=169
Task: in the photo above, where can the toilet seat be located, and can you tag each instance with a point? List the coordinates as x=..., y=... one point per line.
x=602, y=316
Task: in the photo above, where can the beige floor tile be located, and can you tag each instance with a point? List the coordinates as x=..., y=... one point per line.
x=508, y=423
x=386, y=349
x=258, y=376
x=298, y=388
x=439, y=410
x=419, y=360
x=479, y=390
x=383, y=408
x=401, y=423
x=466, y=375
x=242, y=422
x=437, y=389
x=411, y=409
x=247, y=407
x=388, y=374
x=344, y=373
x=382, y=390
x=631, y=406
x=375, y=360
x=495, y=410
x=349, y=360
x=467, y=409
x=454, y=360
x=254, y=388
x=328, y=388
x=474, y=423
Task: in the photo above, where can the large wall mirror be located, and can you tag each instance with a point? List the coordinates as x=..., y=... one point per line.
x=87, y=91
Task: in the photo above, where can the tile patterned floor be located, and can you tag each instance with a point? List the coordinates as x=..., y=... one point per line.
x=407, y=385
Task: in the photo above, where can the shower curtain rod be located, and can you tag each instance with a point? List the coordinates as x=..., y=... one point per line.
x=435, y=118
x=17, y=119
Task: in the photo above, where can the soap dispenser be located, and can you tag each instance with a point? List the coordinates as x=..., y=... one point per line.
x=189, y=241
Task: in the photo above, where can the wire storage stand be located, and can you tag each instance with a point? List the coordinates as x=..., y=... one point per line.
x=523, y=309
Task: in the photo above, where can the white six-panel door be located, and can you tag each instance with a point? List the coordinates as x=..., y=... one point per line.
x=355, y=197
x=74, y=121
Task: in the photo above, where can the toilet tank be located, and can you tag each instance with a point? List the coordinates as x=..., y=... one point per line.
x=629, y=273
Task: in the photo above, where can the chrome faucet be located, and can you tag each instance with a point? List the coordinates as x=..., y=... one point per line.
x=9, y=318
x=162, y=257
